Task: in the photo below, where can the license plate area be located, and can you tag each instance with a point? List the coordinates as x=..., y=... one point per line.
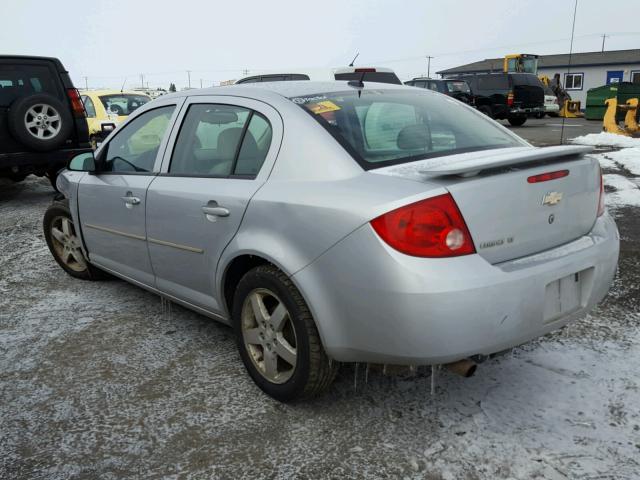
x=565, y=295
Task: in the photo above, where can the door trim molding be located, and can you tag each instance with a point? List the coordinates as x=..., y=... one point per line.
x=176, y=245
x=115, y=232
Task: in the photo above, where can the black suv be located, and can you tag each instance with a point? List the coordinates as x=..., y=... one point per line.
x=511, y=96
x=42, y=120
x=457, y=89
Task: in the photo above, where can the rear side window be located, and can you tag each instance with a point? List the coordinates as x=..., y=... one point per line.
x=88, y=106
x=219, y=141
x=19, y=80
x=458, y=86
x=380, y=77
x=124, y=104
x=493, y=82
x=388, y=127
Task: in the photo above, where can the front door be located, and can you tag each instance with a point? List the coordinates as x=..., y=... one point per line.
x=112, y=202
x=195, y=207
x=614, y=76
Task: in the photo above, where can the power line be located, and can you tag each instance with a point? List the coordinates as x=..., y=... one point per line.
x=573, y=27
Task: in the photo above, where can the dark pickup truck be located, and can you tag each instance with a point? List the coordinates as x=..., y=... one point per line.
x=42, y=119
x=510, y=96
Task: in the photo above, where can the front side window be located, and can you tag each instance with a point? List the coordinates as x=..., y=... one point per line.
x=135, y=147
x=88, y=106
x=124, y=104
x=219, y=141
x=573, y=81
x=386, y=127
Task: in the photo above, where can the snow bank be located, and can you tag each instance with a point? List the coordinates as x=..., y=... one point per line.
x=606, y=139
x=628, y=158
x=627, y=192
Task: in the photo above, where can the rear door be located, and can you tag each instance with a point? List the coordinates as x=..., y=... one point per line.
x=21, y=78
x=216, y=162
x=111, y=203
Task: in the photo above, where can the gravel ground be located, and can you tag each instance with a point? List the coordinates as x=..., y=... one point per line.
x=96, y=381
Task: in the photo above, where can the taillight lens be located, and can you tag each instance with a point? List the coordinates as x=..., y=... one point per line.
x=601, y=206
x=510, y=99
x=76, y=103
x=545, y=177
x=430, y=228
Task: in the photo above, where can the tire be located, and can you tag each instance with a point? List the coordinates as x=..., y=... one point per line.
x=52, y=175
x=75, y=264
x=517, y=121
x=30, y=122
x=486, y=110
x=313, y=371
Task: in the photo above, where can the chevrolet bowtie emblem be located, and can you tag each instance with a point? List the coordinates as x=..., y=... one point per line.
x=552, y=198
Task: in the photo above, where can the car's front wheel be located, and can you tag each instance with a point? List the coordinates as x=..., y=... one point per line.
x=64, y=242
x=277, y=337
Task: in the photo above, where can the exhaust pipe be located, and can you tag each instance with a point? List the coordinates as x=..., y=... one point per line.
x=465, y=368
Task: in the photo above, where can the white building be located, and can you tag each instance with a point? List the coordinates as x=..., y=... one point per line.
x=587, y=70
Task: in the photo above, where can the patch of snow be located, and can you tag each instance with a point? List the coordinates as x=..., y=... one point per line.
x=628, y=158
x=627, y=192
x=606, y=139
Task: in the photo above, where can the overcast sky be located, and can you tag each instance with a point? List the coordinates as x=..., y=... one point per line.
x=108, y=41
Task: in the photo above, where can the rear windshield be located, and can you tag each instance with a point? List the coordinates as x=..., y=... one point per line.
x=527, y=79
x=493, y=82
x=19, y=80
x=387, y=127
x=458, y=86
x=380, y=77
x=123, y=104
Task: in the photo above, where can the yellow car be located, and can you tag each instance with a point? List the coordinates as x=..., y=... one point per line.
x=106, y=109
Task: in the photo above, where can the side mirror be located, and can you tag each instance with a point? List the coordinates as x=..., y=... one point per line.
x=83, y=162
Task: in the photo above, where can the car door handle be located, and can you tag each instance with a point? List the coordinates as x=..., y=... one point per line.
x=131, y=200
x=216, y=211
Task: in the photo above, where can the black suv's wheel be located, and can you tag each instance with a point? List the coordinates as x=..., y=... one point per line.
x=40, y=122
x=277, y=337
x=517, y=121
x=64, y=243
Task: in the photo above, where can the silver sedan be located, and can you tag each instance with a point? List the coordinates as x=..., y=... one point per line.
x=340, y=222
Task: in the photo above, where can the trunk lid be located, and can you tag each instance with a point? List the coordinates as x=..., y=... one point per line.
x=507, y=216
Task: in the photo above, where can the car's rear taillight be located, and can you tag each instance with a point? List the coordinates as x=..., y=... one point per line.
x=601, y=206
x=510, y=99
x=76, y=103
x=429, y=228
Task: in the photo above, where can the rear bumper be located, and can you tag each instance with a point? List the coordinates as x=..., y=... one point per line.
x=555, y=108
x=526, y=111
x=33, y=161
x=374, y=304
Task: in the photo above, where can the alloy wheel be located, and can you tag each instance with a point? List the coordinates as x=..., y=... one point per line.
x=43, y=121
x=67, y=244
x=269, y=336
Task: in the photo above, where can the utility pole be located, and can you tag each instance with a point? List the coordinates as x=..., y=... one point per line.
x=142, y=79
x=245, y=72
x=200, y=83
x=604, y=36
x=86, y=83
x=429, y=66
x=189, y=75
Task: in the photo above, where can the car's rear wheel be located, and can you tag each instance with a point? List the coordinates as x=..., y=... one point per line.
x=277, y=337
x=517, y=121
x=64, y=242
x=40, y=122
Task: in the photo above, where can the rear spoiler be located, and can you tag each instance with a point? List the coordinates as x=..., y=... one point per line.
x=470, y=164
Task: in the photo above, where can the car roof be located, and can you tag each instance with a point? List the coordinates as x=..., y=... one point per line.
x=35, y=58
x=315, y=74
x=286, y=89
x=101, y=92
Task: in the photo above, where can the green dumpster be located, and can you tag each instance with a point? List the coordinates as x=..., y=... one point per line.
x=623, y=91
x=595, y=107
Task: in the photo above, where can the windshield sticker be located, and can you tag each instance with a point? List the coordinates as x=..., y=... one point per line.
x=323, y=107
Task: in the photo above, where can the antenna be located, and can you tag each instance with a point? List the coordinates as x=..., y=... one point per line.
x=604, y=36
x=573, y=27
x=354, y=59
x=123, y=84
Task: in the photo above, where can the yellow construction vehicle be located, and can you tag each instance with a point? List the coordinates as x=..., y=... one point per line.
x=520, y=63
x=610, y=124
